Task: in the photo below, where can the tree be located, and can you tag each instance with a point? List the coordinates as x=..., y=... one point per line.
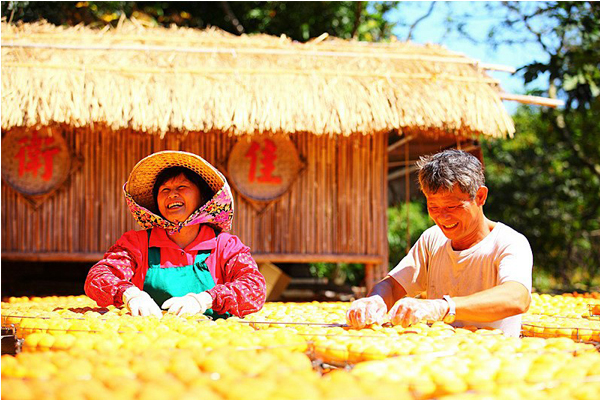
x=297, y=20
x=398, y=225
x=539, y=187
x=546, y=182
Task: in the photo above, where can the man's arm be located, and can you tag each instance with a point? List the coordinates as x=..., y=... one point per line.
x=373, y=308
x=390, y=291
x=502, y=301
x=411, y=270
x=509, y=298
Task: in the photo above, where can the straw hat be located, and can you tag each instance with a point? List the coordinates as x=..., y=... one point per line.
x=143, y=176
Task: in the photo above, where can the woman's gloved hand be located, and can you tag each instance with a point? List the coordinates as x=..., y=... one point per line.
x=191, y=303
x=408, y=311
x=140, y=303
x=366, y=311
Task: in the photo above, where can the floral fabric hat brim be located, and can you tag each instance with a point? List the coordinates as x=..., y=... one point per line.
x=217, y=212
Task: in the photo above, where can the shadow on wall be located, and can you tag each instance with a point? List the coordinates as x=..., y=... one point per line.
x=67, y=279
x=43, y=278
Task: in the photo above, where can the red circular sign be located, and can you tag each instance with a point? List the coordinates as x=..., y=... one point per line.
x=263, y=167
x=35, y=162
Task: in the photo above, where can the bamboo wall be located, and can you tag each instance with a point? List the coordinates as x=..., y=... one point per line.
x=336, y=206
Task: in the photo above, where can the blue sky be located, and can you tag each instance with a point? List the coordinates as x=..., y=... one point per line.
x=433, y=30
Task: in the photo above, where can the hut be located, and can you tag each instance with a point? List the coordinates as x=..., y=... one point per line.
x=302, y=130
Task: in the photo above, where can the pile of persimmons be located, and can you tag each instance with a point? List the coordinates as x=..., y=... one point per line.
x=74, y=350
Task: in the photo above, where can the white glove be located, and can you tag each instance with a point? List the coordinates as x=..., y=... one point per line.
x=408, y=311
x=366, y=311
x=191, y=303
x=140, y=303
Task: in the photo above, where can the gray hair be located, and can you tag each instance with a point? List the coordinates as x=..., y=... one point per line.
x=449, y=167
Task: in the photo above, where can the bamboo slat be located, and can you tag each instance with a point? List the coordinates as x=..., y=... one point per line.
x=335, y=207
x=381, y=175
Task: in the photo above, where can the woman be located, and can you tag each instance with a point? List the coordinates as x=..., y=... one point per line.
x=185, y=260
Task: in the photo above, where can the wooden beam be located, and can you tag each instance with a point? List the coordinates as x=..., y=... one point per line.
x=401, y=172
x=259, y=257
x=233, y=51
x=535, y=100
x=51, y=257
x=400, y=142
x=309, y=258
x=469, y=147
x=498, y=67
x=393, y=164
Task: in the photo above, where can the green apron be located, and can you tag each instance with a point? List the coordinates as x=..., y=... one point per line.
x=163, y=283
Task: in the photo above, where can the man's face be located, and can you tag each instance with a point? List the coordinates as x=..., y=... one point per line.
x=178, y=198
x=459, y=217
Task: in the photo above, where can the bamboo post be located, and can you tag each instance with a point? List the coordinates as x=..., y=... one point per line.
x=370, y=276
x=407, y=196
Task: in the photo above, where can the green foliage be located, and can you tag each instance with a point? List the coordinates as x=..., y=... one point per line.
x=65, y=12
x=418, y=221
x=570, y=33
x=298, y=20
x=339, y=273
x=546, y=182
x=540, y=188
x=354, y=274
x=304, y=20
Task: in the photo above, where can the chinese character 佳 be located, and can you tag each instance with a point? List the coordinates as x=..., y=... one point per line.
x=32, y=157
x=267, y=162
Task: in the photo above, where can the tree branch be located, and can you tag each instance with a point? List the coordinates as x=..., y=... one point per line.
x=561, y=125
x=414, y=25
x=12, y=14
x=525, y=18
x=231, y=16
x=357, y=13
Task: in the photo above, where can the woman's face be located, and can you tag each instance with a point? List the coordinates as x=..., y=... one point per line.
x=178, y=198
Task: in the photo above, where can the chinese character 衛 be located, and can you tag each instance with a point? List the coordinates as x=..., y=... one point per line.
x=34, y=153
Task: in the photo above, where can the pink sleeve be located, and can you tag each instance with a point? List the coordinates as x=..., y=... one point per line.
x=244, y=289
x=110, y=277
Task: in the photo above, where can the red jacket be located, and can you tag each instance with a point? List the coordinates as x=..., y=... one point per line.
x=240, y=288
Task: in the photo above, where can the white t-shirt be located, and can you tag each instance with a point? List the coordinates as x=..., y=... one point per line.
x=433, y=266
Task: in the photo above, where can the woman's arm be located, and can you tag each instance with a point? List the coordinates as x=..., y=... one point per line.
x=244, y=289
x=110, y=277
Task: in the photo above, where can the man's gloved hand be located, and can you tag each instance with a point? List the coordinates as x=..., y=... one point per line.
x=140, y=303
x=366, y=311
x=408, y=311
x=191, y=303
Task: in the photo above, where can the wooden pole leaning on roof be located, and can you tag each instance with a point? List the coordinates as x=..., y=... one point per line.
x=405, y=139
x=407, y=194
x=535, y=100
x=232, y=50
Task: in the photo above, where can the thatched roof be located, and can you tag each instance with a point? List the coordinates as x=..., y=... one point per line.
x=160, y=80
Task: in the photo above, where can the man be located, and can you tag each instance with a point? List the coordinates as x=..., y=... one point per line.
x=474, y=271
